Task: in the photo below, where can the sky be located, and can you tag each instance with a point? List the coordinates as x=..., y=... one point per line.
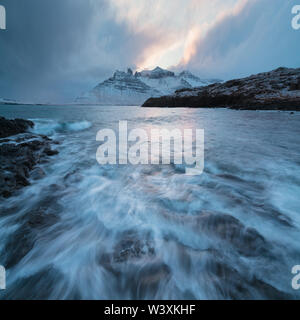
x=54, y=50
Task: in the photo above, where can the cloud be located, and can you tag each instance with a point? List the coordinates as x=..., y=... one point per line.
x=174, y=23
x=55, y=49
x=254, y=36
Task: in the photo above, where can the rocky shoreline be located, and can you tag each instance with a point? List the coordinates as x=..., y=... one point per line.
x=275, y=90
x=20, y=154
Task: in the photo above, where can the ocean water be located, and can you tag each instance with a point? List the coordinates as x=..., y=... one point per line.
x=86, y=231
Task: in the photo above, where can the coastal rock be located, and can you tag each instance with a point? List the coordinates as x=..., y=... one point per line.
x=19, y=154
x=37, y=173
x=230, y=283
x=246, y=241
x=132, y=247
x=22, y=241
x=135, y=256
x=278, y=89
x=13, y=127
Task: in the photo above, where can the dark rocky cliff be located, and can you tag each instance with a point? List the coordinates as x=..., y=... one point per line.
x=278, y=89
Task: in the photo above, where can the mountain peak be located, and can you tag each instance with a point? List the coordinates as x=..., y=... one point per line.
x=127, y=88
x=185, y=73
x=156, y=73
x=122, y=75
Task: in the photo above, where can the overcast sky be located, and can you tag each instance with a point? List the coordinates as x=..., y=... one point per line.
x=53, y=50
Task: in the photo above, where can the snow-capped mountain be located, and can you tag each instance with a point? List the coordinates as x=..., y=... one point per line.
x=126, y=88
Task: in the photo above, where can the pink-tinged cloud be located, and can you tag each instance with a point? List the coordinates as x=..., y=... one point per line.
x=254, y=36
x=175, y=25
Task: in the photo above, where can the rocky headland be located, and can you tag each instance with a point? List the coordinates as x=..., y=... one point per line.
x=275, y=90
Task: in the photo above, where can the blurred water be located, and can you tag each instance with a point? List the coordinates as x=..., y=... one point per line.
x=87, y=231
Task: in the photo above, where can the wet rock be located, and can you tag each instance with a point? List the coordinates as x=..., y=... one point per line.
x=20, y=154
x=148, y=280
x=13, y=127
x=37, y=173
x=38, y=286
x=23, y=240
x=17, y=246
x=49, y=152
x=224, y=276
x=230, y=283
x=73, y=176
x=267, y=210
x=130, y=252
x=246, y=240
x=132, y=246
x=137, y=271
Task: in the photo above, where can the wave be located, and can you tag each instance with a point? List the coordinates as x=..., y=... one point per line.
x=50, y=127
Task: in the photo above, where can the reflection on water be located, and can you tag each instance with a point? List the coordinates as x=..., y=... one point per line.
x=87, y=231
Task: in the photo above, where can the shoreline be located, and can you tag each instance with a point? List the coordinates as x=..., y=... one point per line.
x=264, y=108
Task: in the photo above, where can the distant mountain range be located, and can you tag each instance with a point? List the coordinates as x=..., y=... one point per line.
x=7, y=101
x=128, y=88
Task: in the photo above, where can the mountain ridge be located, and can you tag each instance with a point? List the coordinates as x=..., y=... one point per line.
x=128, y=88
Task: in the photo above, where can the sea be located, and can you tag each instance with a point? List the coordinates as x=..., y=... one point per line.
x=150, y=231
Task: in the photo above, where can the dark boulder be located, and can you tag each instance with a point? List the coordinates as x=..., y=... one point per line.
x=13, y=127
x=20, y=154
